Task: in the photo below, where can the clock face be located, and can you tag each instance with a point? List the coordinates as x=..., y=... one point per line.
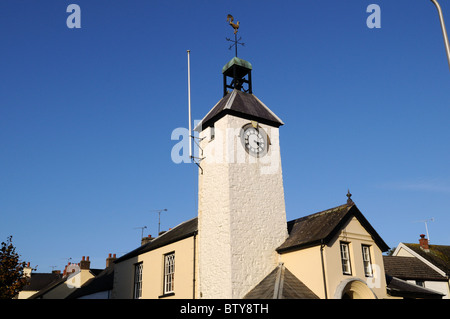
x=254, y=140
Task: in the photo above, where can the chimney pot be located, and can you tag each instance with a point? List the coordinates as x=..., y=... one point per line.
x=28, y=264
x=85, y=263
x=82, y=258
x=110, y=260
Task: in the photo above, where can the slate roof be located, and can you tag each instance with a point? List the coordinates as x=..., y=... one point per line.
x=241, y=104
x=321, y=227
x=58, y=282
x=410, y=268
x=101, y=282
x=400, y=288
x=281, y=284
x=38, y=281
x=182, y=231
x=49, y=287
x=438, y=255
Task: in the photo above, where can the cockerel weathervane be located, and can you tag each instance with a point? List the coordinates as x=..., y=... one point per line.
x=235, y=26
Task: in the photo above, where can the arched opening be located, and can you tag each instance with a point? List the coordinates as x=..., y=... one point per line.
x=354, y=288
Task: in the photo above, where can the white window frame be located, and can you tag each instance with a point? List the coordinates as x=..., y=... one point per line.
x=367, y=260
x=169, y=273
x=345, y=258
x=137, y=287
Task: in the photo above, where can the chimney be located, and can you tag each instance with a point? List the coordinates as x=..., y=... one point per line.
x=85, y=263
x=65, y=269
x=423, y=242
x=145, y=240
x=27, y=270
x=110, y=260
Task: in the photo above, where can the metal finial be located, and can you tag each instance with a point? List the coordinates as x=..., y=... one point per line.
x=235, y=26
x=349, y=197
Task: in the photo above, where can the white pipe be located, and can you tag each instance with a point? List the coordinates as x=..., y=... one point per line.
x=426, y=228
x=189, y=102
x=444, y=30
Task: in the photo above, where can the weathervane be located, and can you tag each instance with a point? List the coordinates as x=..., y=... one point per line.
x=235, y=26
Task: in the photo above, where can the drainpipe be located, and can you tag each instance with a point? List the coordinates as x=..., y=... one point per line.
x=323, y=269
x=193, y=277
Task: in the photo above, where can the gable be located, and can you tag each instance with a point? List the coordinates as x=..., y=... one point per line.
x=321, y=228
x=438, y=256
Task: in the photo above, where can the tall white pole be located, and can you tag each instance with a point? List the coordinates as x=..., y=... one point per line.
x=189, y=102
x=444, y=31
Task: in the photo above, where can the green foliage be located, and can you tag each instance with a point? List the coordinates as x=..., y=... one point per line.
x=11, y=271
x=390, y=251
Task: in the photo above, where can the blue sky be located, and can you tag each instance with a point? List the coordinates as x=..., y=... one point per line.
x=86, y=115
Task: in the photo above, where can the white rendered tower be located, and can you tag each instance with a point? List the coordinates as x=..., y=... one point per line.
x=241, y=213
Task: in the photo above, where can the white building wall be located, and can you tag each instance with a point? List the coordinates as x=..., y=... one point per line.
x=439, y=286
x=242, y=218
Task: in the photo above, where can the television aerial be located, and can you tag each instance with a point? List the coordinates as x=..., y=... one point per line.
x=159, y=217
x=142, y=230
x=426, y=225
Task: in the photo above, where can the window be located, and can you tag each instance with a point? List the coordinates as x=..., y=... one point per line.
x=345, y=258
x=169, y=273
x=137, y=294
x=212, y=132
x=366, y=260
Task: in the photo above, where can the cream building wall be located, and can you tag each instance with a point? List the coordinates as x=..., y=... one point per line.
x=306, y=264
x=153, y=272
x=26, y=294
x=354, y=234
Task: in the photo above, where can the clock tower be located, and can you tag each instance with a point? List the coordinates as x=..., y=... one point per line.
x=241, y=208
